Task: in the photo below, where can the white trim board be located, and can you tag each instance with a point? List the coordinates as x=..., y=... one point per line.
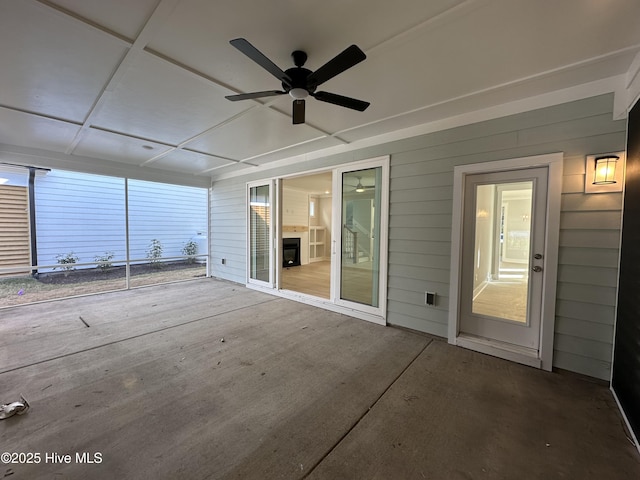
x=554, y=162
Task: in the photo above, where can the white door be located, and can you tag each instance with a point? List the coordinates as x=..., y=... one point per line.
x=503, y=245
x=359, y=243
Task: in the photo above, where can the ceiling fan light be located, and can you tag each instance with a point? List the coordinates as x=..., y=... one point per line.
x=359, y=188
x=298, y=93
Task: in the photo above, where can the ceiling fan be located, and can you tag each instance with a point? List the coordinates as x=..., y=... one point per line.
x=359, y=187
x=300, y=82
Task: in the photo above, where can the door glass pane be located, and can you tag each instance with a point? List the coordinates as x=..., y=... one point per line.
x=501, y=250
x=259, y=233
x=360, y=249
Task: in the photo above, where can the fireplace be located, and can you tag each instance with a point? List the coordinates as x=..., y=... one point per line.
x=290, y=252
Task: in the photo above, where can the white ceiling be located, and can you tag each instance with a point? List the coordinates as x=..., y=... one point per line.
x=142, y=83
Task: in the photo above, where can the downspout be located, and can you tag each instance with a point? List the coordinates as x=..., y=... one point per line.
x=32, y=221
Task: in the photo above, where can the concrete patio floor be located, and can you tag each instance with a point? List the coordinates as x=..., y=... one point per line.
x=209, y=380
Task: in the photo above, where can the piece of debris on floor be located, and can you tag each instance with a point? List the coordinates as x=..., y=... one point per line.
x=14, y=408
x=409, y=398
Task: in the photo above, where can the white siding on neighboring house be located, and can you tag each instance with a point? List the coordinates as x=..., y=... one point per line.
x=85, y=214
x=172, y=214
x=79, y=213
x=421, y=194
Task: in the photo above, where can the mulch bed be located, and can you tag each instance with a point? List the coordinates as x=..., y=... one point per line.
x=114, y=273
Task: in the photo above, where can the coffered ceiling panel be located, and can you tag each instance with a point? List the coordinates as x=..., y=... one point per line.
x=52, y=64
x=297, y=150
x=124, y=17
x=110, y=146
x=158, y=101
x=189, y=162
x=26, y=130
x=260, y=131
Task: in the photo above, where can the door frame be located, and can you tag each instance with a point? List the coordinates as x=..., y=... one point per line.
x=544, y=358
x=375, y=315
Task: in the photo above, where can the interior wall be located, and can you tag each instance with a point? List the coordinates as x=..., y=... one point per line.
x=421, y=194
x=325, y=220
x=295, y=207
x=626, y=361
x=484, y=232
x=295, y=214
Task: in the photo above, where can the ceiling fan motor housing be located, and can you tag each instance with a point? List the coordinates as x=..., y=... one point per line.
x=299, y=58
x=298, y=77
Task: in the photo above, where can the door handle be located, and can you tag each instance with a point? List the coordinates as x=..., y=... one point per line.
x=537, y=268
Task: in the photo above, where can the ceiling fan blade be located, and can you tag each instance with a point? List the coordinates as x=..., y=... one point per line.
x=347, y=102
x=246, y=96
x=346, y=59
x=298, y=112
x=257, y=56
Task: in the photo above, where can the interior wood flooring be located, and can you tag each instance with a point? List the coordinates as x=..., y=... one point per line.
x=315, y=279
x=312, y=279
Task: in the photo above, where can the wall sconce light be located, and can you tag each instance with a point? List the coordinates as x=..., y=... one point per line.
x=604, y=173
x=605, y=170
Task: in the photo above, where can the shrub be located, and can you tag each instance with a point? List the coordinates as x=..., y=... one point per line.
x=66, y=261
x=105, y=261
x=154, y=253
x=190, y=248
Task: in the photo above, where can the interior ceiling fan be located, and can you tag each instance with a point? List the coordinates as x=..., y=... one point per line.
x=300, y=82
x=359, y=187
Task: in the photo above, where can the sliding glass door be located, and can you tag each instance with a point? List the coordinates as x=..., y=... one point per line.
x=359, y=248
x=260, y=234
x=352, y=239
